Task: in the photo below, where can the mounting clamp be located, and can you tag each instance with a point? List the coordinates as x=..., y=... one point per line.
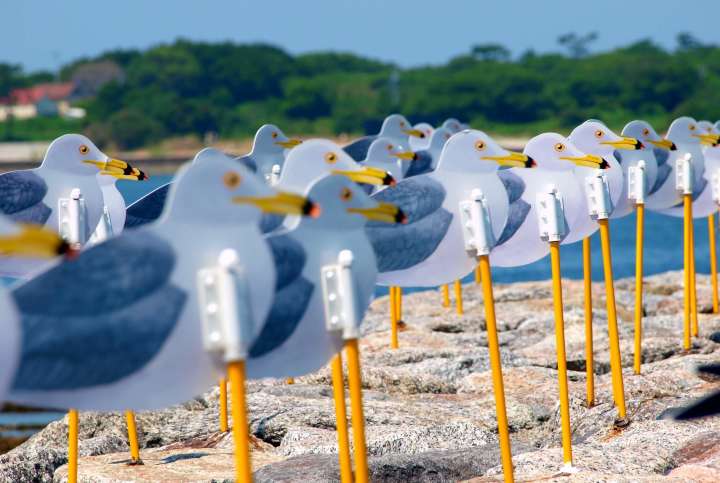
x=684, y=175
x=225, y=309
x=339, y=299
x=551, y=215
x=597, y=194
x=476, y=224
x=637, y=183
x=72, y=218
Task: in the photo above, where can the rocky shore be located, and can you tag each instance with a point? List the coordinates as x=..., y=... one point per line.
x=429, y=405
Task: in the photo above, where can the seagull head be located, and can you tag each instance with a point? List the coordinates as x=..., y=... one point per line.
x=710, y=136
x=425, y=128
x=346, y=205
x=643, y=131
x=557, y=153
x=438, y=138
x=595, y=137
x=317, y=158
x=21, y=240
x=385, y=151
x=215, y=188
x=76, y=154
x=474, y=151
x=396, y=126
x=269, y=139
x=685, y=130
x=452, y=125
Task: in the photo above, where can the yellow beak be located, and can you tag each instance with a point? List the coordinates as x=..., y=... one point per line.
x=368, y=175
x=624, y=143
x=290, y=143
x=708, y=139
x=414, y=132
x=33, y=241
x=385, y=212
x=664, y=144
x=118, y=169
x=516, y=160
x=588, y=161
x=282, y=203
x=406, y=155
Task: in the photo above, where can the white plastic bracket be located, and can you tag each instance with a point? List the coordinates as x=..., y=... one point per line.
x=715, y=185
x=476, y=223
x=637, y=183
x=72, y=218
x=684, y=175
x=551, y=215
x=597, y=194
x=274, y=175
x=225, y=308
x=104, y=229
x=338, y=290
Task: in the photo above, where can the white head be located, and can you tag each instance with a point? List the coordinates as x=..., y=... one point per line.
x=475, y=151
x=557, y=153
x=345, y=205
x=398, y=128
x=685, y=130
x=317, y=158
x=269, y=139
x=452, y=125
x=439, y=137
x=216, y=189
x=385, y=151
x=645, y=133
x=424, y=128
x=595, y=137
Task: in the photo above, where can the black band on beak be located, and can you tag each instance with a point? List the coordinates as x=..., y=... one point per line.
x=530, y=163
x=604, y=164
x=388, y=180
x=311, y=209
x=673, y=147
x=639, y=145
x=401, y=217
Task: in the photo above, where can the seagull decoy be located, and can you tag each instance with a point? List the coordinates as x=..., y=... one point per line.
x=453, y=125
x=417, y=143
x=268, y=150
x=712, y=167
x=103, y=331
x=67, y=176
x=425, y=160
x=395, y=127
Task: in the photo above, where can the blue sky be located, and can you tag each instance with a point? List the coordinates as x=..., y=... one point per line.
x=44, y=34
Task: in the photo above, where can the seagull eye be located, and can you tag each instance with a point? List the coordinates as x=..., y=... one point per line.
x=274, y=135
x=692, y=127
x=346, y=194
x=84, y=149
x=447, y=136
x=480, y=145
x=330, y=158
x=389, y=147
x=598, y=134
x=646, y=132
x=559, y=147
x=402, y=123
x=231, y=179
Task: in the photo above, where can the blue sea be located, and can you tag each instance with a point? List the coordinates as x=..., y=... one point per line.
x=663, y=246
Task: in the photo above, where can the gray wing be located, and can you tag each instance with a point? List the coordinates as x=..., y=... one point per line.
x=514, y=184
x=663, y=172
x=517, y=213
x=100, y=317
x=148, y=208
x=248, y=162
x=398, y=247
x=292, y=295
x=358, y=149
x=661, y=155
x=421, y=164
x=270, y=222
x=21, y=197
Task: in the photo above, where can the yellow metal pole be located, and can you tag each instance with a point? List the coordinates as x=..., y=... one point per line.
x=241, y=434
x=398, y=303
x=445, y=296
x=478, y=275
x=223, y=406
x=132, y=438
x=693, y=291
x=713, y=262
x=639, y=240
x=496, y=368
x=394, y=343
x=341, y=418
x=73, y=425
x=458, y=297
x=560, y=348
x=687, y=213
x=290, y=380
x=615, y=358
x=357, y=416
x=587, y=287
